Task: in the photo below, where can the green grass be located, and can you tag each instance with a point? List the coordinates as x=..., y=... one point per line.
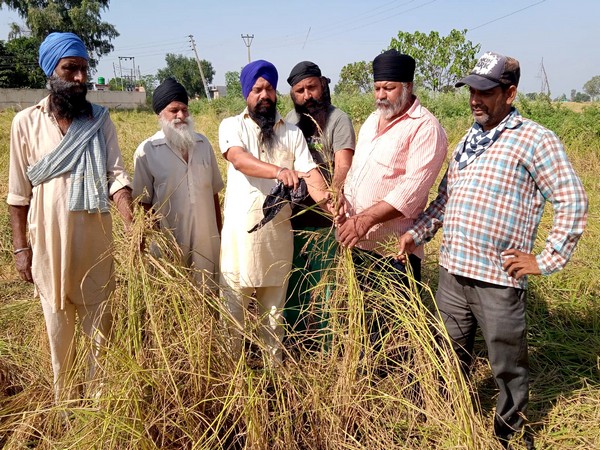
x=168, y=379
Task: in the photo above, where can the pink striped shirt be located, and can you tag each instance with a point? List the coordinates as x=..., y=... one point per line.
x=398, y=166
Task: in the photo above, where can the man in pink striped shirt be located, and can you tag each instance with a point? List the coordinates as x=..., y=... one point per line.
x=400, y=150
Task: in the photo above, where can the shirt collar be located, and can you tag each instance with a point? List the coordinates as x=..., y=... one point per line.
x=515, y=119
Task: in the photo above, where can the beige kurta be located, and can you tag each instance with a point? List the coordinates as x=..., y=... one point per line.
x=71, y=249
x=183, y=194
x=262, y=258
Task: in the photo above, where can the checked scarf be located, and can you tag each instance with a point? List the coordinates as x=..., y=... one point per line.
x=478, y=141
x=82, y=152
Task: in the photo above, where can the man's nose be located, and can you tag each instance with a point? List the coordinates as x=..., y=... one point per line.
x=80, y=76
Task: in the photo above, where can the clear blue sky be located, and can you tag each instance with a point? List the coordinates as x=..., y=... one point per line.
x=332, y=33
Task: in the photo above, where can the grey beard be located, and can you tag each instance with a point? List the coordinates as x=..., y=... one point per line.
x=180, y=138
x=67, y=98
x=389, y=110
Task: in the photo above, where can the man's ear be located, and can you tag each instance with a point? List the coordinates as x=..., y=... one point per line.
x=512, y=94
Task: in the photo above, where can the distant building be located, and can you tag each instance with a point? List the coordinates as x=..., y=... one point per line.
x=217, y=91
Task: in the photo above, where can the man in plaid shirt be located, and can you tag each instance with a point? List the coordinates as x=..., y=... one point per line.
x=490, y=203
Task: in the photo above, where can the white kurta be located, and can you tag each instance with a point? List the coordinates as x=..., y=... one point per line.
x=183, y=195
x=262, y=258
x=72, y=258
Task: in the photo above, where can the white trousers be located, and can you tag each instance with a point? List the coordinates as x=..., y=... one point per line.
x=270, y=301
x=95, y=320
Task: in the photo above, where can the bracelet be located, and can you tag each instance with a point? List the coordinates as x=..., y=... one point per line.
x=22, y=249
x=281, y=169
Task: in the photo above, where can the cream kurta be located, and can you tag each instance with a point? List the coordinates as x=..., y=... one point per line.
x=183, y=194
x=71, y=249
x=262, y=258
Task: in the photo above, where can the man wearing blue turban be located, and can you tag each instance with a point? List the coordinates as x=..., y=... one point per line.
x=65, y=165
x=263, y=150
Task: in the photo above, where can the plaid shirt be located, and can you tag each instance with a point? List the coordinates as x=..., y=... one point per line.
x=496, y=203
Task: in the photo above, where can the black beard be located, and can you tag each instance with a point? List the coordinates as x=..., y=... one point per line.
x=318, y=110
x=67, y=99
x=264, y=113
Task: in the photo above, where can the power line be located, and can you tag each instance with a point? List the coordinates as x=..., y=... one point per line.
x=505, y=16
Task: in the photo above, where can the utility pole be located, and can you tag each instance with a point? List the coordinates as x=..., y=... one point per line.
x=200, y=68
x=130, y=78
x=248, y=41
x=545, y=86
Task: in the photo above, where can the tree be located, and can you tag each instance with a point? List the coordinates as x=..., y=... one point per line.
x=592, y=87
x=82, y=17
x=185, y=70
x=19, y=64
x=355, y=78
x=440, y=60
x=579, y=97
x=233, y=85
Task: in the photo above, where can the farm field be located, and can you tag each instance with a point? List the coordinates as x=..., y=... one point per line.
x=169, y=382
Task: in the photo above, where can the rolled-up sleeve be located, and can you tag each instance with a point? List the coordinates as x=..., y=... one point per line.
x=118, y=178
x=19, y=186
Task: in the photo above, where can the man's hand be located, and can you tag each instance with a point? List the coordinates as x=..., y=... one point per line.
x=406, y=246
x=518, y=264
x=340, y=210
x=124, y=203
x=23, y=265
x=290, y=177
x=353, y=229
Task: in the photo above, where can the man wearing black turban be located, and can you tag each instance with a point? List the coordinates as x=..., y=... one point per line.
x=331, y=141
x=176, y=175
x=401, y=148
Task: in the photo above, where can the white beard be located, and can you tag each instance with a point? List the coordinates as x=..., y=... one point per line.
x=179, y=137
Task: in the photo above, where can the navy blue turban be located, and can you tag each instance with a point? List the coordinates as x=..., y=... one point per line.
x=253, y=71
x=57, y=46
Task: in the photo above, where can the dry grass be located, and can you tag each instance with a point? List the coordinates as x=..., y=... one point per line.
x=169, y=381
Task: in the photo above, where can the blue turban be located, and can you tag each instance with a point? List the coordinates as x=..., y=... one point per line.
x=57, y=46
x=253, y=71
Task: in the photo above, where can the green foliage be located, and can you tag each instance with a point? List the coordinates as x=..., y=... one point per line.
x=19, y=64
x=185, y=70
x=219, y=108
x=82, y=17
x=440, y=60
x=579, y=97
x=592, y=87
x=357, y=106
x=355, y=78
x=117, y=84
x=233, y=85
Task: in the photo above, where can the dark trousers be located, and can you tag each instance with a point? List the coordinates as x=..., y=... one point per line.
x=500, y=312
x=372, y=270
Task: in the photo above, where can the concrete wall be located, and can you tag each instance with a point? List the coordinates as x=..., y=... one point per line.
x=23, y=98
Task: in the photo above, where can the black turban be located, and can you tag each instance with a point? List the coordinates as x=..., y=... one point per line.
x=168, y=91
x=302, y=70
x=393, y=66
